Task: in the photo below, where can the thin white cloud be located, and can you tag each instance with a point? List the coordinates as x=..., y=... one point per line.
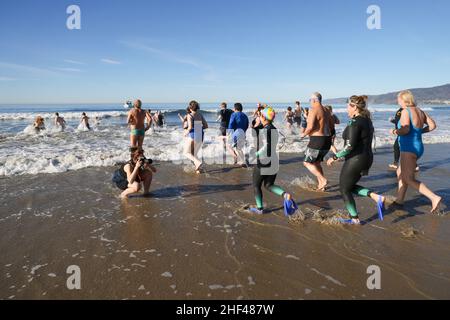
x=69, y=69
x=74, y=62
x=163, y=54
x=230, y=56
x=209, y=72
x=27, y=69
x=7, y=79
x=110, y=61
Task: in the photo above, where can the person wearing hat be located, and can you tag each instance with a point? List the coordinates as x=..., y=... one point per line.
x=267, y=163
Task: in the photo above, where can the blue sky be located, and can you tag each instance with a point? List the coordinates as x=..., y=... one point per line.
x=210, y=50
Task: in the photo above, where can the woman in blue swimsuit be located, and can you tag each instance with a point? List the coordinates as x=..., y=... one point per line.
x=413, y=123
x=194, y=133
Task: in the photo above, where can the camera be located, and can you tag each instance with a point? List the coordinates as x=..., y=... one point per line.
x=145, y=161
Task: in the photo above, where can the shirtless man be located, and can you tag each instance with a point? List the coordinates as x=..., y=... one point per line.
x=318, y=129
x=136, y=121
x=59, y=121
x=298, y=114
x=85, y=121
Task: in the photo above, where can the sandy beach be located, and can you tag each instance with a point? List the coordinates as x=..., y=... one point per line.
x=192, y=239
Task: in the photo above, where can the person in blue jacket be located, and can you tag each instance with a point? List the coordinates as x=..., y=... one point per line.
x=239, y=123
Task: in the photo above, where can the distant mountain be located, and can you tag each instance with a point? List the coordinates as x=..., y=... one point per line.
x=435, y=95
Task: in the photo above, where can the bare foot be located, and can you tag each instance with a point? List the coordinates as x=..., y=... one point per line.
x=436, y=205
x=198, y=170
x=383, y=199
x=323, y=186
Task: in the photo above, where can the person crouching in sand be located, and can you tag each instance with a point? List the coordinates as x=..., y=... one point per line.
x=139, y=170
x=39, y=124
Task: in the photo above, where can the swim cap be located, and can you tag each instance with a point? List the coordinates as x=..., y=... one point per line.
x=268, y=113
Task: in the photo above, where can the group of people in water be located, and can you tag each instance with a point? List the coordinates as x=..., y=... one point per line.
x=60, y=122
x=316, y=122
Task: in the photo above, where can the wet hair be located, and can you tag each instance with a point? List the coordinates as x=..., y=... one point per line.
x=223, y=105
x=194, y=106
x=39, y=119
x=139, y=103
x=188, y=109
x=238, y=107
x=360, y=102
x=83, y=114
x=136, y=153
x=408, y=98
x=297, y=103
x=318, y=96
x=57, y=114
x=289, y=109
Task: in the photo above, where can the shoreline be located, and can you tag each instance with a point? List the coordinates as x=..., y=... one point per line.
x=192, y=239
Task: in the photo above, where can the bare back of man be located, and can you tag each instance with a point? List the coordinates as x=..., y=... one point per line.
x=319, y=122
x=59, y=121
x=136, y=121
x=319, y=130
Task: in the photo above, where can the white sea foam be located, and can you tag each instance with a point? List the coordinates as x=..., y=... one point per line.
x=52, y=150
x=67, y=115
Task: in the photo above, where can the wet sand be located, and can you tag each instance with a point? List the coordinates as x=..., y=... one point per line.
x=193, y=240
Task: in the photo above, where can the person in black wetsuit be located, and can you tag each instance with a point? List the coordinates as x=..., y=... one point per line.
x=224, y=119
x=266, y=169
x=357, y=152
x=395, y=120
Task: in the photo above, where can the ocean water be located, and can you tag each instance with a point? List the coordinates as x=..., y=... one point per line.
x=23, y=151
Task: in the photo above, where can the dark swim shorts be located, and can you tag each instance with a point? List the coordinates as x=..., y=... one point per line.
x=317, y=149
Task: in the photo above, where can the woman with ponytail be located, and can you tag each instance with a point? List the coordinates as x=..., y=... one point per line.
x=358, y=156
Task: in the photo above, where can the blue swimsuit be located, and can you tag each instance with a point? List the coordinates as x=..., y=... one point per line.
x=412, y=142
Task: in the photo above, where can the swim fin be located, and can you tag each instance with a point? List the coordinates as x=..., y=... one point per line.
x=290, y=207
x=347, y=221
x=380, y=207
x=256, y=210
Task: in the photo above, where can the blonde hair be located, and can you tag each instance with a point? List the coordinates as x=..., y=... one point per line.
x=408, y=98
x=360, y=102
x=39, y=120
